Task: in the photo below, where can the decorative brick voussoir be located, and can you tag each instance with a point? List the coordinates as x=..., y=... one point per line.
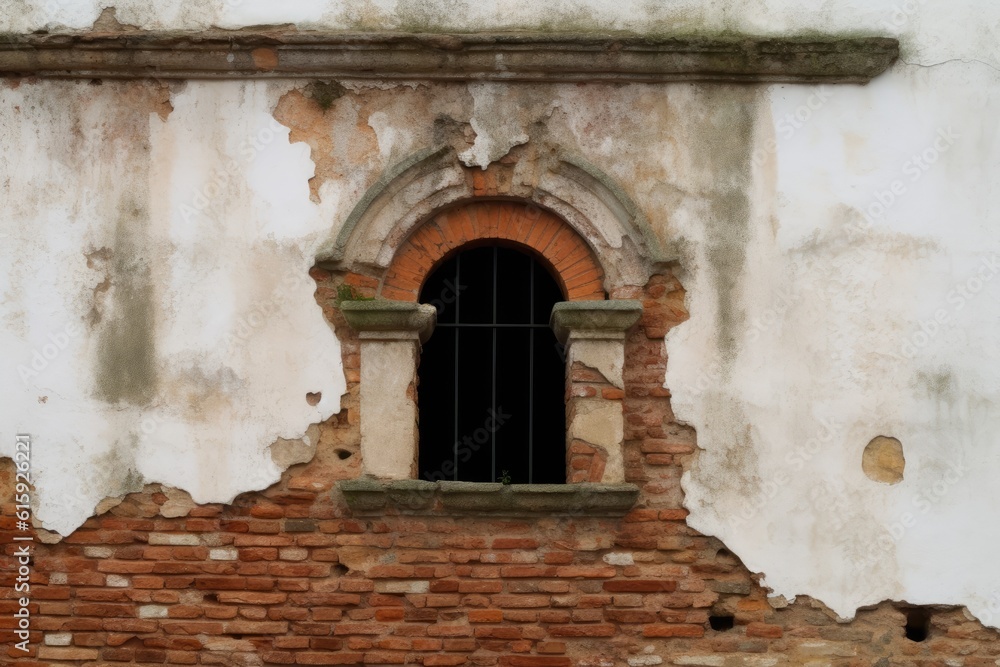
x=528, y=226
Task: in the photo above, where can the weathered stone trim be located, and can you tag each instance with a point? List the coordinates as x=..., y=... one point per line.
x=594, y=335
x=617, y=201
x=533, y=57
x=431, y=181
x=388, y=184
x=595, y=319
x=390, y=333
x=390, y=320
x=367, y=495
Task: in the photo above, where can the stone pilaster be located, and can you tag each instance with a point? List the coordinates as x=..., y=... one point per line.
x=593, y=333
x=390, y=334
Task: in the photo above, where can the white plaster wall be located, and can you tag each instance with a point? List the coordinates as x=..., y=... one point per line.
x=848, y=327
x=209, y=210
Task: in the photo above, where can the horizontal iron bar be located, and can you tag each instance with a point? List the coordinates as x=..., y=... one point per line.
x=491, y=326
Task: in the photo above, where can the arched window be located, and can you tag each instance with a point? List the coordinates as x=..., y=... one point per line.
x=492, y=377
x=490, y=353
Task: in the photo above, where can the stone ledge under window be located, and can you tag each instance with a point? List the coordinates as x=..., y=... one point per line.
x=367, y=495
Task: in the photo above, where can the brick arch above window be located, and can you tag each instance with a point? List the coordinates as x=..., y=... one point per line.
x=570, y=258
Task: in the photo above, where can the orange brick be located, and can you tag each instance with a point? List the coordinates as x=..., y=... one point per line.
x=515, y=543
x=385, y=614
x=679, y=630
x=551, y=647
x=764, y=630
x=640, y=586
x=534, y=661
x=309, y=658
x=485, y=616
x=435, y=660
x=582, y=630
x=579, y=571
x=480, y=587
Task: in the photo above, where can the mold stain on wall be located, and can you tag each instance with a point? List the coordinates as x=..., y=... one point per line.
x=126, y=345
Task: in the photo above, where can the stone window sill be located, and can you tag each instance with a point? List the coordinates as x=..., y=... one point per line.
x=367, y=495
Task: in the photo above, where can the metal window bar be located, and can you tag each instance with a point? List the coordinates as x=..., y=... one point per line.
x=531, y=376
x=493, y=394
x=458, y=332
x=491, y=326
x=494, y=325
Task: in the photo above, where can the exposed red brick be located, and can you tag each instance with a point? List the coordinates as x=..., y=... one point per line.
x=673, y=630
x=640, y=586
x=764, y=630
x=534, y=661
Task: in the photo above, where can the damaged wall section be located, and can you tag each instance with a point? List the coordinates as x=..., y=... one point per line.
x=158, y=315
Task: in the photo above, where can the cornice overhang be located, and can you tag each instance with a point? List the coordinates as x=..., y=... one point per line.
x=514, y=57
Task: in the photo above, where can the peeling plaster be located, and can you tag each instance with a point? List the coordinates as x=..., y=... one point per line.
x=599, y=423
x=600, y=357
x=496, y=132
x=185, y=341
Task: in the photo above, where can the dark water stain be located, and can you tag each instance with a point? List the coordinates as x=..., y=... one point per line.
x=722, y=149
x=725, y=149
x=126, y=353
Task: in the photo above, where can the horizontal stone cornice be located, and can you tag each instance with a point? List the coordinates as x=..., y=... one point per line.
x=516, y=57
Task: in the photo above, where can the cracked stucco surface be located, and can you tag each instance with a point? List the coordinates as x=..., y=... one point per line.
x=812, y=329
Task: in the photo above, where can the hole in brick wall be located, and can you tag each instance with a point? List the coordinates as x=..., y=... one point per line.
x=210, y=597
x=918, y=624
x=340, y=568
x=314, y=398
x=343, y=454
x=721, y=622
x=722, y=553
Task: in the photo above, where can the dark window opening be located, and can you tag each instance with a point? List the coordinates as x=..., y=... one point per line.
x=918, y=624
x=492, y=379
x=721, y=623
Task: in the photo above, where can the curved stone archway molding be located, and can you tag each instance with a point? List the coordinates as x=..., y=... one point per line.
x=431, y=180
x=415, y=186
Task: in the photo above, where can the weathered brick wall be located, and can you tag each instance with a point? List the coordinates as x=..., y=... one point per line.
x=289, y=577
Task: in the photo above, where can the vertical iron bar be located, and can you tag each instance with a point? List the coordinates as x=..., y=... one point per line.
x=493, y=401
x=531, y=377
x=458, y=331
